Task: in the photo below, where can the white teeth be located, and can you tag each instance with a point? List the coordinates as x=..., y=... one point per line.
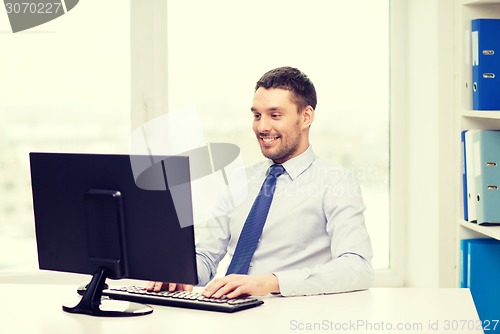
x=268, y=139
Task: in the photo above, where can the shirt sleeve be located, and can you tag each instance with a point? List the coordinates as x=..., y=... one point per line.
x=212, y=238
x=350, y=268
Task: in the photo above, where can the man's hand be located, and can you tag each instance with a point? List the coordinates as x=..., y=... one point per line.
x=159, y=286
x=233, y=286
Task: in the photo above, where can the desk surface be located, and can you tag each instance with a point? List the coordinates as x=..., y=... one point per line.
x=26, y=308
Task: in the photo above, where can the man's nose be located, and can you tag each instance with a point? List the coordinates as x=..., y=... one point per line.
x=264, y=124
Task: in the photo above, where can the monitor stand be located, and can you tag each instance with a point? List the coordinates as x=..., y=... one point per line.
x=92, y=304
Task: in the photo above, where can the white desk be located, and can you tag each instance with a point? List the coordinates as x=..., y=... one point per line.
x=26, y=308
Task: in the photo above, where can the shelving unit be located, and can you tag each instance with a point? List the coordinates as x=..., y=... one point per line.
x=468, y=118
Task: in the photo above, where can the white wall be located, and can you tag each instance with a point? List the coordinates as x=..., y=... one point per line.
x=431, y=230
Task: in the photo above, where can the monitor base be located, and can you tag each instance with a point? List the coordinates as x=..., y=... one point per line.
x=111, y=308
x=93, y=304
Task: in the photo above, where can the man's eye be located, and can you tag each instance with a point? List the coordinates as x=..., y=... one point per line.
x=256, y=116
x=275, y=115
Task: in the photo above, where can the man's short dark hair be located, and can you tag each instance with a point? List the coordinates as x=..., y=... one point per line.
x=291, y=79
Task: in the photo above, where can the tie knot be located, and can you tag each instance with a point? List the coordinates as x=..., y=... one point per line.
x=276, y=170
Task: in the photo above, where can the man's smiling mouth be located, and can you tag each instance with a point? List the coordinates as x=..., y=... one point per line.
x=268, y=139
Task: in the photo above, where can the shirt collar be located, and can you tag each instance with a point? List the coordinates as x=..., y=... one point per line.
x=297, y=165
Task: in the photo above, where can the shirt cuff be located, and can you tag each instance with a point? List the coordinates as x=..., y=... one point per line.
x=291, y=282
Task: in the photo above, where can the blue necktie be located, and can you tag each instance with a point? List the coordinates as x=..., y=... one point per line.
x=252, y=230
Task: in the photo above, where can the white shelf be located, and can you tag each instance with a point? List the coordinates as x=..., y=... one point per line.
x=491, y=114
x=480, y=2
x=487, y=231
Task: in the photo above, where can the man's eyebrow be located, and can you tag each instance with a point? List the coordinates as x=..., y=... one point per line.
x=271, y=109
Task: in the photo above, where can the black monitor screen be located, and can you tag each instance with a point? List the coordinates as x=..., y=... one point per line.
x=97, y=214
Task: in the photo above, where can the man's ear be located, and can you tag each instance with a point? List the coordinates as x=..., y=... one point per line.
x=307, y=116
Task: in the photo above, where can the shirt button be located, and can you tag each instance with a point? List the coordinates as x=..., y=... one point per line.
x=251, y=264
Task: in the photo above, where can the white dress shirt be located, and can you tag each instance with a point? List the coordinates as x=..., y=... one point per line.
x=314, y=240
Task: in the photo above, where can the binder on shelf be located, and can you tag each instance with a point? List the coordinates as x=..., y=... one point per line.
x=485, y=46
x=465, y=193
x=470, y=176
x=463, y=269
x=483, y=271
x=486, y=151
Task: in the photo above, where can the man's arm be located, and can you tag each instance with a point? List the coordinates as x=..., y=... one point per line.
x=347, y=273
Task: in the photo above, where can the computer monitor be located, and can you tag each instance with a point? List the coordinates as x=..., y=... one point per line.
x=91, y=217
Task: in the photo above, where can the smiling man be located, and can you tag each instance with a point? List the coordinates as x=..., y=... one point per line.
x=301, y=228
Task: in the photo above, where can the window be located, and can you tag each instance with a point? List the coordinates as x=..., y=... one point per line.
x=218, y=49
x=65, y=88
